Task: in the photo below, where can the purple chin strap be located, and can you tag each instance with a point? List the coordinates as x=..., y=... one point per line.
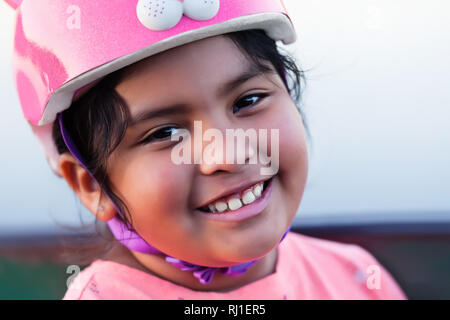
x=134, y=242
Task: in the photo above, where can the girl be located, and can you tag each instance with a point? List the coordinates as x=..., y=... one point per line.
x=115, y=93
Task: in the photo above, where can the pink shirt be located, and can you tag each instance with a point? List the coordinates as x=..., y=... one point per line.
x=307, y=268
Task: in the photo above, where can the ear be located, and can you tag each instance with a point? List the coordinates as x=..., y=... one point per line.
x=86, y=188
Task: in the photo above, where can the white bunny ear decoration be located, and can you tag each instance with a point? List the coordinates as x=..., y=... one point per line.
x=165, y=14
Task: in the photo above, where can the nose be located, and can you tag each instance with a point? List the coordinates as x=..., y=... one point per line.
x=224, y=149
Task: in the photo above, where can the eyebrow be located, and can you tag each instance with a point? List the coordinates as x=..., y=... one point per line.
x=251, y=71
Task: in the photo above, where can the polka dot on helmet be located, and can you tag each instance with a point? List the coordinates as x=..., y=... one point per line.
x=201, y=9
x=159, y=14
x=164, y=14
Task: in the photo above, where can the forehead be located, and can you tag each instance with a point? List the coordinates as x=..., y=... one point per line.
x=207, y=61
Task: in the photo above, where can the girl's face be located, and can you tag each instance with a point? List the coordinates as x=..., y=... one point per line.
x=163, y=197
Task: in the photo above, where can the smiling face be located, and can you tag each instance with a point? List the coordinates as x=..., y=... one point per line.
x=163, y=198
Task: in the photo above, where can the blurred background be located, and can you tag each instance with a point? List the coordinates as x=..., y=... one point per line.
x=376, y=102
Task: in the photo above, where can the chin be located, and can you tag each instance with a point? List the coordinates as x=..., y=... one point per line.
x=252, y=251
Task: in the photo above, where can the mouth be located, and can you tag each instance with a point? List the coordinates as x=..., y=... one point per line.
x=244, y=212
x=244, y=198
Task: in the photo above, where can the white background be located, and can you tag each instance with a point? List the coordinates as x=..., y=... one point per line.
x=377, y=102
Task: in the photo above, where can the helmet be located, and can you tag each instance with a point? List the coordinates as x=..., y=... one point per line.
x=54, y=56
x=63, y=47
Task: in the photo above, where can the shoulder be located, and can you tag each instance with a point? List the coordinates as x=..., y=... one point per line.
x=80, y=286
x=105, y=279
x=344, y=252
x=341, y=265
x=322, y=252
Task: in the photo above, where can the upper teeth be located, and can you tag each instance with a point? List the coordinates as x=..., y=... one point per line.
x=236, y=201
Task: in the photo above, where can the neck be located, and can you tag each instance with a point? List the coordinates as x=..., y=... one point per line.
x=156, y=265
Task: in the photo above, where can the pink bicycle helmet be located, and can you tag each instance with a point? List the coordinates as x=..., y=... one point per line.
x=63, y=47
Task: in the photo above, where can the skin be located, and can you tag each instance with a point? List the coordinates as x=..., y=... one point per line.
x=162, y=196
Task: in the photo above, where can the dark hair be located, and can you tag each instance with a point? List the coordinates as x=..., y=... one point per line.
x=98, y=120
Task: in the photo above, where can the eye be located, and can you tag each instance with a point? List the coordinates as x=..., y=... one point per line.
x=160, y=135
x=248, y=101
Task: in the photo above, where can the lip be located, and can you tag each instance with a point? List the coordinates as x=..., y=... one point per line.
x=245, y=212
x=233, y=191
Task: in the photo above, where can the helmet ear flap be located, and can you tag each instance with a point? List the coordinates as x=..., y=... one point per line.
x=14, y=3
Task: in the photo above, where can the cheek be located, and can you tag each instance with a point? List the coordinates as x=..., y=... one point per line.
x=293, y=154
x=292, y=140
x=151, y=185
x=291, y=143
x=154, y=190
